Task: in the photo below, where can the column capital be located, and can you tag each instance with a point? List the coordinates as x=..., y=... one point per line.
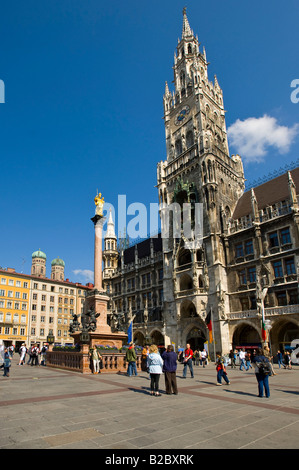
x=96, y=218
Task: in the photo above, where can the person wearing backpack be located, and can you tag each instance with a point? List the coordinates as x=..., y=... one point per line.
x=262, y=372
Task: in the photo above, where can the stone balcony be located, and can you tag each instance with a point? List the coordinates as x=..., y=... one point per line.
x=269, y=312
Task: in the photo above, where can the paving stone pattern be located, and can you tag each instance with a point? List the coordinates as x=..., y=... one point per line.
x=43, y=408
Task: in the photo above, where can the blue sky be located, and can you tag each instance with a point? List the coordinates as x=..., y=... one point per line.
x=84, y=82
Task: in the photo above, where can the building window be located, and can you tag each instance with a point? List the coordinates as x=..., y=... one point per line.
x=281, y=298
x=290, y=266
x=252, y=274
x=273, y=240
x=239, y=250
x=293, y=297
x=178, y=147
x=285, y=236
x=242, y=277
x=248, y=247
x=277, y=267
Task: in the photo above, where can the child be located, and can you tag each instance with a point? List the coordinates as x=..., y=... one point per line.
x=221, y=370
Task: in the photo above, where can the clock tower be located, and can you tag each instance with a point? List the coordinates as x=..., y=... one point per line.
x=198, y=171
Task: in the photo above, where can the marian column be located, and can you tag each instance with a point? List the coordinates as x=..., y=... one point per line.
x=98, y=221
x=97, y=300
x=94, y=317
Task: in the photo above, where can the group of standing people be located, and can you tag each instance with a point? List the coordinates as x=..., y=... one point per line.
x=36, y=355
x=155, y=364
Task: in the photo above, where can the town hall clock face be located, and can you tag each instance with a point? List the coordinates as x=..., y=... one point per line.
x=182, y=115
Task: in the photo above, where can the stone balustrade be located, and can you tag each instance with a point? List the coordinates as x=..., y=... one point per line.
x=80, y=361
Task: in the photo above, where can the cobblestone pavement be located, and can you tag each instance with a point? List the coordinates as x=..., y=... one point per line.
x=44, y=408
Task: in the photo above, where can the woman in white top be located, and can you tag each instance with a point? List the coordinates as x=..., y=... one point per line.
x=154, y=364
x=23, y=351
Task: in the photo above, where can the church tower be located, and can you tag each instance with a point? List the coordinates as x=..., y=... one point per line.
x=38, y=266
x=110, y=253
x=198, y=171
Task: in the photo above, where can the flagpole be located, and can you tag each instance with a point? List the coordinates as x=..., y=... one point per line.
x=213, y=333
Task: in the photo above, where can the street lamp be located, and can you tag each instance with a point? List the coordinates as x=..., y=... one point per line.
x=50, y=338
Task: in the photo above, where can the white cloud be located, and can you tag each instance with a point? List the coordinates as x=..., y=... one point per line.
x=253, y=137
x=86, y=275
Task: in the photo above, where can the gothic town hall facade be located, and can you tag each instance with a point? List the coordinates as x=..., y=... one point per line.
x=248, y=259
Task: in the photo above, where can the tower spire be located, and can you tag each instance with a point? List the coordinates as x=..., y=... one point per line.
x=110, y=227
x=187, y=31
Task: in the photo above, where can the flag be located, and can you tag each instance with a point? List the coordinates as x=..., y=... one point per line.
x=209, y=325
x=130, y=333
x=264, y=334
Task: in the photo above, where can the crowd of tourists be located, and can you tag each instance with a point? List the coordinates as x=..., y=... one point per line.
x=34, y=355
x=165, y=361
x=156, y=364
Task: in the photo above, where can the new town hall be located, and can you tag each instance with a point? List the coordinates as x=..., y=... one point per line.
x=248, y=258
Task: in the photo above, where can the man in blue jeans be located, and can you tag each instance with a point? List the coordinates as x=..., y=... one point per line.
x=242, y=359
x=188, y=354
x=131, y=359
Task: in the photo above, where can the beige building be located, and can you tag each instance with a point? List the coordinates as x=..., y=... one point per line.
x=45, y=307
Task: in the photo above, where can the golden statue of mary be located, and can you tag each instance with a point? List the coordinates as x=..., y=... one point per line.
x=99, y=202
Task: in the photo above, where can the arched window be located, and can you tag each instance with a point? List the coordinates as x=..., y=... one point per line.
x=186, y=282
x=189, y=49
x=178, y=147
x=184, y=257
x=182, y=79
x=189, y=139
